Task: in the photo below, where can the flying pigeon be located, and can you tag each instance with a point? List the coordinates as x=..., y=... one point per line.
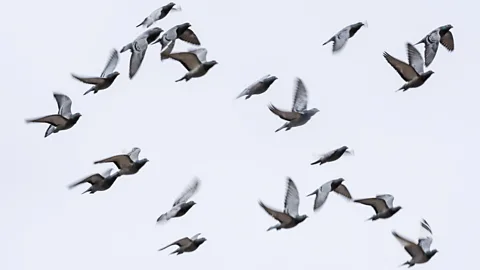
x=106, y=78
x=258, y=87
x=98, y=181
x=182, y=32
x=195, y=61
x=138, y=48
x=333, y=155
x=382, y=204
x=186, y=244
x=126, y=163
x=441, y=35
x=321, y=194
x=411, y=73
x=420, y=252
x=299, y=115
x=159, y=14
x=63, y=120
x=289, y=218
x=341, y=38
x=181, y=206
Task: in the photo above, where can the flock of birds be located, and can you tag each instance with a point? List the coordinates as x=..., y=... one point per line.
x=194, y=60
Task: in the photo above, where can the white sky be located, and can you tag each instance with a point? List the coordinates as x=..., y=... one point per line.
x=418, y=146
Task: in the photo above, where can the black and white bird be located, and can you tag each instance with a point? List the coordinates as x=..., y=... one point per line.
x=299, y=115
x=159, y=14
x=441, y=35
x=138, y=48
x=333, y=155
x=181, y=205
x=420, y=251
x=412, y=73
x=63, y=120
x=186, y=244
x=289, y=218
x=195, y=61
x=182, y=32
x=341, y=38
x=98, y=181
x=106, y=78
x=382, y=204
x=258, y=87
x=126, y=163
x=321, y=194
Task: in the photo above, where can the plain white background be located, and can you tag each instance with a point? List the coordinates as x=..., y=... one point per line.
x=419, y=146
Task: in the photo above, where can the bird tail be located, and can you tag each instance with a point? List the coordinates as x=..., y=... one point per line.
x=319, y=162
x=126, y=47
x=313, y=193
x=89, y=90
x=406, y=263
x=421, y=41
x=282, y=127
x=326, y=42
x=88, y=190
x=371, y=218
x=181, y=79
x=273, y=227
x=141, y=23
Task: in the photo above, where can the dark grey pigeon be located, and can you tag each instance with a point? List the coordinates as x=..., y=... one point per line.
x=299, y=115
x=159, y=14
x=182, y=32
x=383, y=206
x=321, y=194
x=138, y=48
x=106, y=78
x=186, y=244
x=412, y=73
x=181, y=205
x=195, y=61
x=126, y=163
x=289, y=218
x=420, y=251
x=98, y=181
x=341, y=38
x=258, y=87
x=63, y=120
x=441, y=35
x=333, y=155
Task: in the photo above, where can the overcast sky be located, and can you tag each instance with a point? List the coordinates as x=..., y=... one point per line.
x=419, y=146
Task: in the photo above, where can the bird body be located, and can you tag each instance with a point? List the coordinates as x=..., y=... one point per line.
x=194, y=61
x=98, y=181
x=63, y=120
x=299, y=115
x=127, y=164
x=382, y=204
x=159, y=14
x=258, y=87
x=138, y=48
x=321, y=194
x=186, y=244
x=412, y=73
x=340, y=39
x=420, y=251
x=289, y=218
x=107, y=77
x=333, y=155
x=441, y=35
x=182, y=32
x=181, y=205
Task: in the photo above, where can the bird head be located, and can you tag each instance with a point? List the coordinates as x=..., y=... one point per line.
x=302, y=218
x=189, y=204
x=447, y=27
x=270, y=80
x=142, y=162
x=337, y=182
x=182, y=28
x=313, y=111
x=200, y=241
x=427, y=74
x=208, y=65
x=114, y=74
x=396, y=209
x=76, y=116
x=431, y=253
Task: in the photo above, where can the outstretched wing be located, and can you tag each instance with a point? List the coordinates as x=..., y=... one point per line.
x=188, y=193
x=280, y=216
x=447, y=41
x=300, y=98
x=387, y=198
x=403, y=69
x=342, y=190
x=377, y=204
x=64, y=104
x=287, y=116
x=111, y=63
x=292, y=199
x=415, y=58
x=181, y=243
